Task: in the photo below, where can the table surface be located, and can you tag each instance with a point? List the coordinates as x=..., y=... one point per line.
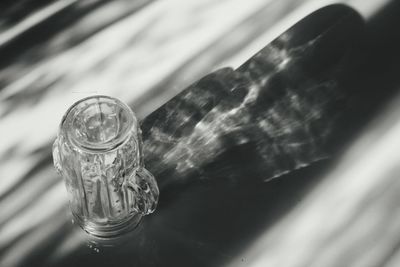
x=285, y=157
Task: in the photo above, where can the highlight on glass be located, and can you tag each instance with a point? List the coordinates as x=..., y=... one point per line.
x=98, y=153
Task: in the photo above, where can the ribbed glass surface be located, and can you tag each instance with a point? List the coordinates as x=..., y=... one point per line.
x=98, y=153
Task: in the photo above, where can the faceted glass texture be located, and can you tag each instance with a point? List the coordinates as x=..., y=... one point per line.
x=98, y=152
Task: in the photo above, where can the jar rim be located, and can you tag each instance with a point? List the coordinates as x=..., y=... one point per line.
x=119, y=135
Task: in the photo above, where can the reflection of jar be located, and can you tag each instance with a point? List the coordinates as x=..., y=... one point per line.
x=98, y=152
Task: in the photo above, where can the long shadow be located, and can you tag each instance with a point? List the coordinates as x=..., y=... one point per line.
x=213, y=147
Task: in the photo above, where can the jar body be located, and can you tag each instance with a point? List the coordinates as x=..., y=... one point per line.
x=98, y=152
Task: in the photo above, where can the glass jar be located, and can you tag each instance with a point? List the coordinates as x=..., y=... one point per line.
x=98, y=152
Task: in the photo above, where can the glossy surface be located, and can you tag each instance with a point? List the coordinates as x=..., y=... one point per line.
x=98, y=153
x=339, y=211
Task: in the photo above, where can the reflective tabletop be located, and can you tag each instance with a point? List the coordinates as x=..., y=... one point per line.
x=282, y=157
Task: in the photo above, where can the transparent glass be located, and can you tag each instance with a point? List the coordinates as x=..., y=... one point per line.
x=98, y=152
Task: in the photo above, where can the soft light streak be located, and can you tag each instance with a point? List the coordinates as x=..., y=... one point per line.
x=33, y=20
x=121, y=60
x=366, y=8
x=127, y=59
x=38, y=212
x=351, y=218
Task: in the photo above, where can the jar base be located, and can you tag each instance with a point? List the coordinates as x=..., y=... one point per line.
x=109, y=231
